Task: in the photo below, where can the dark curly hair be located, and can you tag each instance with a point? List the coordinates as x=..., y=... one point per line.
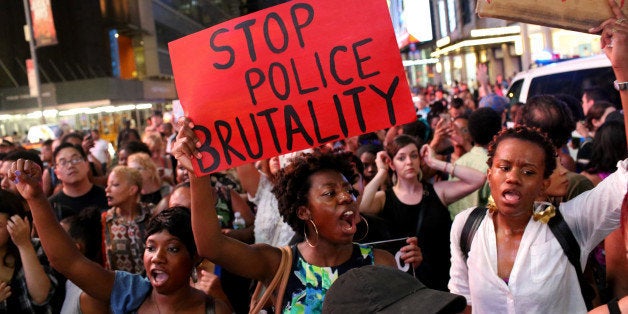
x=550, y=115
x=293, y=182
x=529, y=134
x=484, y=124
x=177, y=221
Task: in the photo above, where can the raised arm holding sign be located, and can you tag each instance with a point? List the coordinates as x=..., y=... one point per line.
x=576, y=15
x=290, y=77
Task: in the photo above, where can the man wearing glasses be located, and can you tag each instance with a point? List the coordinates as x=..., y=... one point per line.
x=72, y=168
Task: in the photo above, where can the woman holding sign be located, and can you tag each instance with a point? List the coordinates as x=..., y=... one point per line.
x=415, y=208
x=316, y=199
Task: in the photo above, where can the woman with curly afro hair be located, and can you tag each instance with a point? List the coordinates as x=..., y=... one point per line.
x=316, y=199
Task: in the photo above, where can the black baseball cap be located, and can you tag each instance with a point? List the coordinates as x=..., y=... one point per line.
x=384, y=289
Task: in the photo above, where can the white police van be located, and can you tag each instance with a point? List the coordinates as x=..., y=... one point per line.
x=567, y=77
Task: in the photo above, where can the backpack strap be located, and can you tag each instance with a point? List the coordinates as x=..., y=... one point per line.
x=470, y=227
x=559, y=228
x=570, y=246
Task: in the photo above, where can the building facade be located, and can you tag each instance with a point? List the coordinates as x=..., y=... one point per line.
x=111, y=61
x=462, y=40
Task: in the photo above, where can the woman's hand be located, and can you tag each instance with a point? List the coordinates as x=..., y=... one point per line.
x=614, y=40
x=428, y=155
x=442, y=134
x=382, y=161
x=27, y=178
x=186, y=145
x=411, y=253
x=5, y=291
x=19, y=230
x=208, y=282
x=582, y=129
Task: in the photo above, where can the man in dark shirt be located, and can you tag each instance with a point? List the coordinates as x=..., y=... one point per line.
x=71, y=167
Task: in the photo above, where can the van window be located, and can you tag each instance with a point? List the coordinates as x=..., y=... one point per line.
x=514, y=91
x=573, y=83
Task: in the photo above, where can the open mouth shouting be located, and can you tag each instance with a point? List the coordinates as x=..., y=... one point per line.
x=158, y=277
x=349, y=220
x=511, y=197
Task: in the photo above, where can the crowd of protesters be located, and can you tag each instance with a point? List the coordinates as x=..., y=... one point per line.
x=139, y=232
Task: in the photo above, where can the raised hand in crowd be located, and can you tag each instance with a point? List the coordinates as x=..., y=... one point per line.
x=614, y=42
x=484, y=87
x=442, y=133
x=37, y=280
x=169, y=258
x=312, y=191
x=5, y=291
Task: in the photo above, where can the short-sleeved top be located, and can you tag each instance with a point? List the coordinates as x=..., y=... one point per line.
x=123, y=241
x=433, y=233
x=308, y=284
x=65, y=206
x=72, y=301
x=155, y=197
x=476, y=158
x=129, y=292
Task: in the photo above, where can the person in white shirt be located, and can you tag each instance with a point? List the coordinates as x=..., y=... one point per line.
x=515, y=263
x=101, y=149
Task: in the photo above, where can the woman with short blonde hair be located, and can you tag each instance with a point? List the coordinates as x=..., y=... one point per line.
x=124, y=224
x=152, y=189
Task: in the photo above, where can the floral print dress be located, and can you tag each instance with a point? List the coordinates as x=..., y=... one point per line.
x=308, y=284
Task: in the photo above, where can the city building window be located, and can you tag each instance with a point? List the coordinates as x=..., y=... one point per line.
x=451, y=9
x=465, y=7
x=442, y=18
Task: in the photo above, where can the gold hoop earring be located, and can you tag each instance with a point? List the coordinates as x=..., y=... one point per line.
x=367, y=229
x=305, y=234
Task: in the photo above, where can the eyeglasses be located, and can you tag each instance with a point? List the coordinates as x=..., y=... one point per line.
x=63, y=163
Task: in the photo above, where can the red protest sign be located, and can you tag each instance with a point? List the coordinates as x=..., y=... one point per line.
x=290, y=77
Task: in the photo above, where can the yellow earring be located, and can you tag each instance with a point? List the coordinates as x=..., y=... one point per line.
x=543, y=211
x=492, y=207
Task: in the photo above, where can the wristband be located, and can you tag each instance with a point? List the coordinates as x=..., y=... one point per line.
x=620, y=85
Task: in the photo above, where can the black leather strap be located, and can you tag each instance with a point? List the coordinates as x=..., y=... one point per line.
x=570, y=246
x=470, y=227
x=613, y=306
